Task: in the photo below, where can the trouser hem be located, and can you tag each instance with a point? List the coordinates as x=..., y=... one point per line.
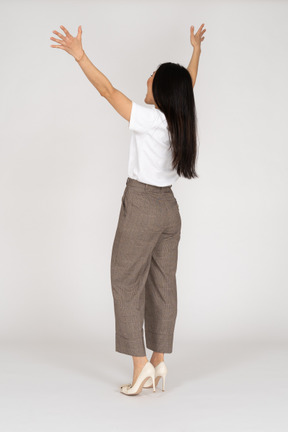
x=159, y=342
x=133, y=347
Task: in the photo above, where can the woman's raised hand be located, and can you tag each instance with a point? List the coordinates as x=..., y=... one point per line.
x=73, y=45
x=198, y=37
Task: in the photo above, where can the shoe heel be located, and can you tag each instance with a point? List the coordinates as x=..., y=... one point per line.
x=153, y=380
x=163, y=382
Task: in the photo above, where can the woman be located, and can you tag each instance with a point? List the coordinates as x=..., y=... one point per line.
x=144, y=256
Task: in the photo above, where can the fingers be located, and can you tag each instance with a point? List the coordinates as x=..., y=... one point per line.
x=199, y=31
x=79, y=32
x=200, y=28
x=57, y=40
x=58, y=34
x=65, y=31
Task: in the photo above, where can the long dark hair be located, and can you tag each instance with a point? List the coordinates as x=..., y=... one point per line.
x=173, y=94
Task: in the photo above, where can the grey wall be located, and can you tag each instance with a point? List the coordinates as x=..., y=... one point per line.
x=64, y=160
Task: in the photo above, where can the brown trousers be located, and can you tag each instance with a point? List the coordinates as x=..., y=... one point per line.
x=143, y=268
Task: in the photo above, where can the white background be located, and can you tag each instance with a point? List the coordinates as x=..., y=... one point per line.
x=64, y=161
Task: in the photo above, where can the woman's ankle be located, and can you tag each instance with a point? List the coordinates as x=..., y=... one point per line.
x=157, y=357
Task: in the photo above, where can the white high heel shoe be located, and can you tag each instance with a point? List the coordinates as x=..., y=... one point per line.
x=148, y=372
x=160, y=372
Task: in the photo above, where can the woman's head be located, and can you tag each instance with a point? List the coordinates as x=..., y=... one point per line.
x=149, y=96
x=170, y=89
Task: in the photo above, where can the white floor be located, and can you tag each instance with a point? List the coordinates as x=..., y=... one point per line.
x=211, y=387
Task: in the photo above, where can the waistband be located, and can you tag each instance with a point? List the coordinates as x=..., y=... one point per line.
x=145, y=187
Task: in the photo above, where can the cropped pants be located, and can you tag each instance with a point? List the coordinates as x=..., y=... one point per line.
x=143, y=269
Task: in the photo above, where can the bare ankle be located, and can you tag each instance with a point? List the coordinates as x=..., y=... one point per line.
x=157, y=357
x=139, y=362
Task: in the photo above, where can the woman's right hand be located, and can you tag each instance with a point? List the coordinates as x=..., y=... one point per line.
x=72, y=45
x=197, y=38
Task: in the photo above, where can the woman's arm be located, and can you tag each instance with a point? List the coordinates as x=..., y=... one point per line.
x=193, y=65
x=73, y=45
x=95, y=76
x=196, y=43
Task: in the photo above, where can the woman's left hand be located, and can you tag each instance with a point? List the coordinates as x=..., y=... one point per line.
x=73, y=45
x=198, y=37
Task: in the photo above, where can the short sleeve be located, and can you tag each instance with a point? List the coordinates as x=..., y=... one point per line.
x=142, y=118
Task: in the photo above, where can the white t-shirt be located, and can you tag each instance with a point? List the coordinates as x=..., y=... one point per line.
x=150, y=159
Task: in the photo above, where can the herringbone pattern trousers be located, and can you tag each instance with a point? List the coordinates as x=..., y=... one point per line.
x=143, y=269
